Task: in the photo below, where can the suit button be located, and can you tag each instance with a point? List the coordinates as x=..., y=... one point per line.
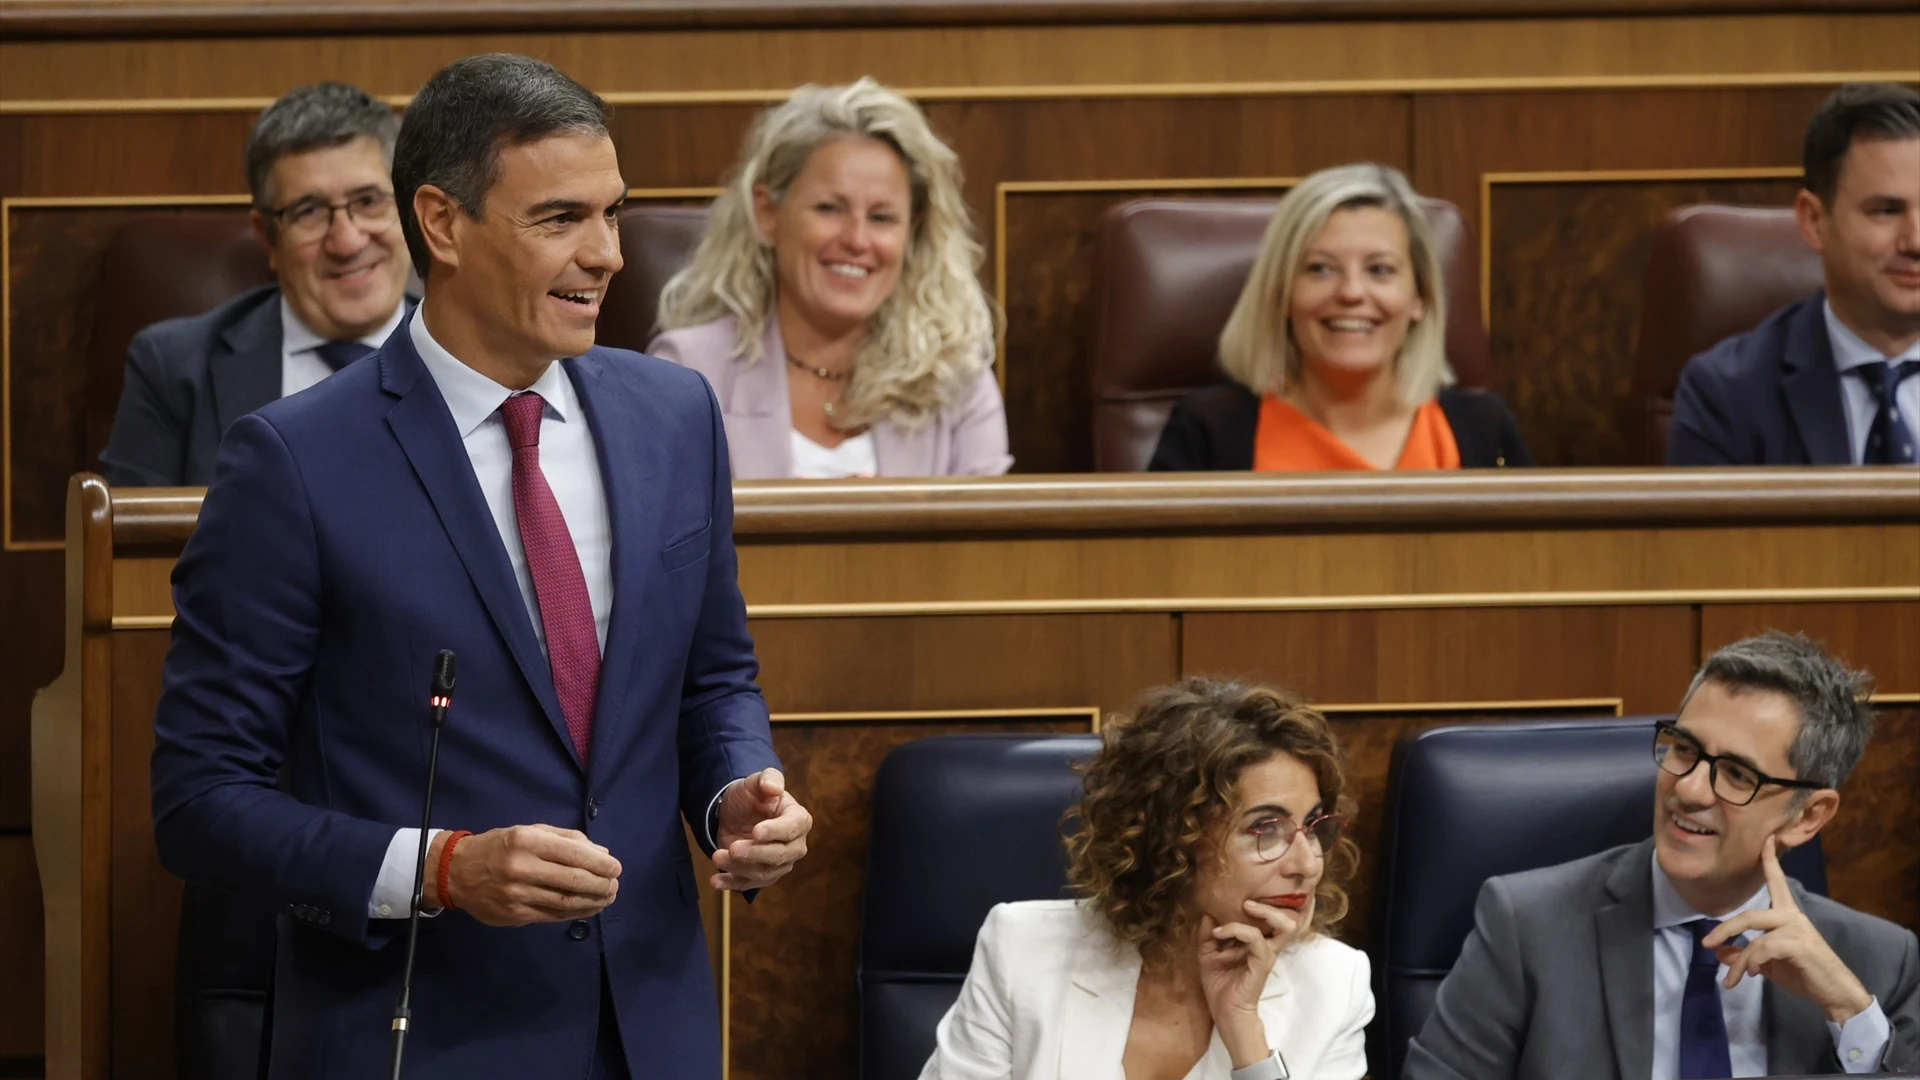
x=593, y=809
x=579, y=930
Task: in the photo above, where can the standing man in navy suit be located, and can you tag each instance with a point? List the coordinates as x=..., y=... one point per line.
x=558, y=514
x=317, y=166
x=1833, y=379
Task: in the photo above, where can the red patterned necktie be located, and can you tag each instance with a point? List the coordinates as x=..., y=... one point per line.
x=559, y=586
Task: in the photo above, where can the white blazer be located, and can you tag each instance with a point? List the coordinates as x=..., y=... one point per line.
x=1050, y=997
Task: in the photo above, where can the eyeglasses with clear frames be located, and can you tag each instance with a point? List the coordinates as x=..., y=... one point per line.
x=1733, y=781
x=1272, y=836
x=309, y=219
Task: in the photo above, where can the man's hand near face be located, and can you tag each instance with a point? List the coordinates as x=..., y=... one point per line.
x=1789, y=951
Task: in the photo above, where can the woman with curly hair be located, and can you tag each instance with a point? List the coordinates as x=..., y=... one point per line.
x=834, y=302
x=1209, y=858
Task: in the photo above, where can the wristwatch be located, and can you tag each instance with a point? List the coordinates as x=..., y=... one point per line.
x=1273, y=1068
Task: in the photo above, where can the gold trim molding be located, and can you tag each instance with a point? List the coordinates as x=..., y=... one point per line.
x=44, y=202
x=1090, y=712
x=78, y=202
x=1058, y=91
x=1596, y=176
x=1197, y=185
x=1179, y=605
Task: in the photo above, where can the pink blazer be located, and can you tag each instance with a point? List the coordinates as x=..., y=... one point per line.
x=966, y=438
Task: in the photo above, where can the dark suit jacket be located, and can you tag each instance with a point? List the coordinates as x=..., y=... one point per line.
x=1556, y=981
x=1770, y=396
x=343, y=542
x=187, y=381
x=1212, y=429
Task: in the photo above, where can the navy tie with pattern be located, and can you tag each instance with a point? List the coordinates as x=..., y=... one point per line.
x=1890, y=440
x=1703, y=1026
x=338, y=354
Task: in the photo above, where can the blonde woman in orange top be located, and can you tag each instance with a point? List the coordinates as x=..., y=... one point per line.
x=1337, y=348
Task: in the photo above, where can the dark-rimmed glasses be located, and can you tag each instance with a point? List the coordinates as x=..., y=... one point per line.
x=1272, y=836
x=1733, y=781
x=310, y=218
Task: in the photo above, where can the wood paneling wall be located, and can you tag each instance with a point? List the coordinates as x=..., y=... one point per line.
x=1561, y=137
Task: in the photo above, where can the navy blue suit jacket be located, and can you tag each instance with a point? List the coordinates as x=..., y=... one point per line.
x=343, y=542
x=1770, y=396
x=187, y=381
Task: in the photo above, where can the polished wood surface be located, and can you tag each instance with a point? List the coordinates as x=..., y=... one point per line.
x=22, y=967
x=883, y=611
x=989, y=62
x=68, y=18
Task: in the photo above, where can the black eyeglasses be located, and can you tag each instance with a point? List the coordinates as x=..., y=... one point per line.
x=1733, y=781
x=310, y=218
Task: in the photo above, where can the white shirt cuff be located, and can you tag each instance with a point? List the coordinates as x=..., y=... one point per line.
x=393, y=888
x=713, y=814
x=1861, y=1042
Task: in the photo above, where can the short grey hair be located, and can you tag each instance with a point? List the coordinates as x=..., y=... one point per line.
x=1835, y=719
x=314, y=118
x=470, y=111
x=1257, y=348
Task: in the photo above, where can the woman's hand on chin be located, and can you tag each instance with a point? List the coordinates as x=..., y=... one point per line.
x=1235, y=960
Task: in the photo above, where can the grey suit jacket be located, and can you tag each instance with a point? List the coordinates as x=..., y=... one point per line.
x=1556, y=981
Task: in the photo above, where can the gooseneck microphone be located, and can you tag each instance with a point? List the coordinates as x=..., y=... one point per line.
x=442, y=699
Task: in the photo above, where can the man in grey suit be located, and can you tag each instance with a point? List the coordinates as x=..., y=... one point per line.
x=318, y=163
x=1691, y=955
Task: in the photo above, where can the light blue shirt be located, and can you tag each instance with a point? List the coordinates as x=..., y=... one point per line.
x=1850, y=352
x=572, y=469
x=1859, y=1043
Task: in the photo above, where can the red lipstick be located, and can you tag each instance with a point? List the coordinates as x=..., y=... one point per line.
x=1291, y=901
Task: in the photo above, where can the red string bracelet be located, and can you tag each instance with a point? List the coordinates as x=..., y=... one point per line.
x=446, y=869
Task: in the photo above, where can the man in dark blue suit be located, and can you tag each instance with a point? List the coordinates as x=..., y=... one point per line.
x=1833, y=379
x=563, y=525
x=317, y=165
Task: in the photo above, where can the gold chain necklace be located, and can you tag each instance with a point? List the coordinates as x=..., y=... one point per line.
x=821, y=373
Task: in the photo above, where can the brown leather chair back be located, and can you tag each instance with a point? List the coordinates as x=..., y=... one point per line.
x=162, y=266
x=656, y=241
x=1167, y=274
x=1714, y=271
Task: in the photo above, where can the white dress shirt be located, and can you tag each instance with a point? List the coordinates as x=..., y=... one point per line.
x=1859, y=1043
x=300, y=363
x=572, y=469
x=1850, y=352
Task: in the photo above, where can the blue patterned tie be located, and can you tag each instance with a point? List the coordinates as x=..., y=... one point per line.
x=1703, y=1026
x=1890, y=440
x=338, y=354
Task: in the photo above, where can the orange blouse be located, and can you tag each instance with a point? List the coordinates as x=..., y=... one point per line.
x=1288, y=440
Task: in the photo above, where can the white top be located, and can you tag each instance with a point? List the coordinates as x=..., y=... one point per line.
x=1860, y=1043
x=855, y=456
x=300, y=365
x=1849, y=352
x=572, y=469
x=1049, y=996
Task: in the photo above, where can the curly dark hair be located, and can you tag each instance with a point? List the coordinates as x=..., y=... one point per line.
x=1161, y=789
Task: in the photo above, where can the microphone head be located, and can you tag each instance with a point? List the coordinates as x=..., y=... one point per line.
x=444, y=670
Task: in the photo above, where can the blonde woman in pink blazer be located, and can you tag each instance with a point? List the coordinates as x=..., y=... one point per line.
x=834, y=302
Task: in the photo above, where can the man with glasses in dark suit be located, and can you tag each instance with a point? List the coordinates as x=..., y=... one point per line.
x=318, y=163
x=1691, y=954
